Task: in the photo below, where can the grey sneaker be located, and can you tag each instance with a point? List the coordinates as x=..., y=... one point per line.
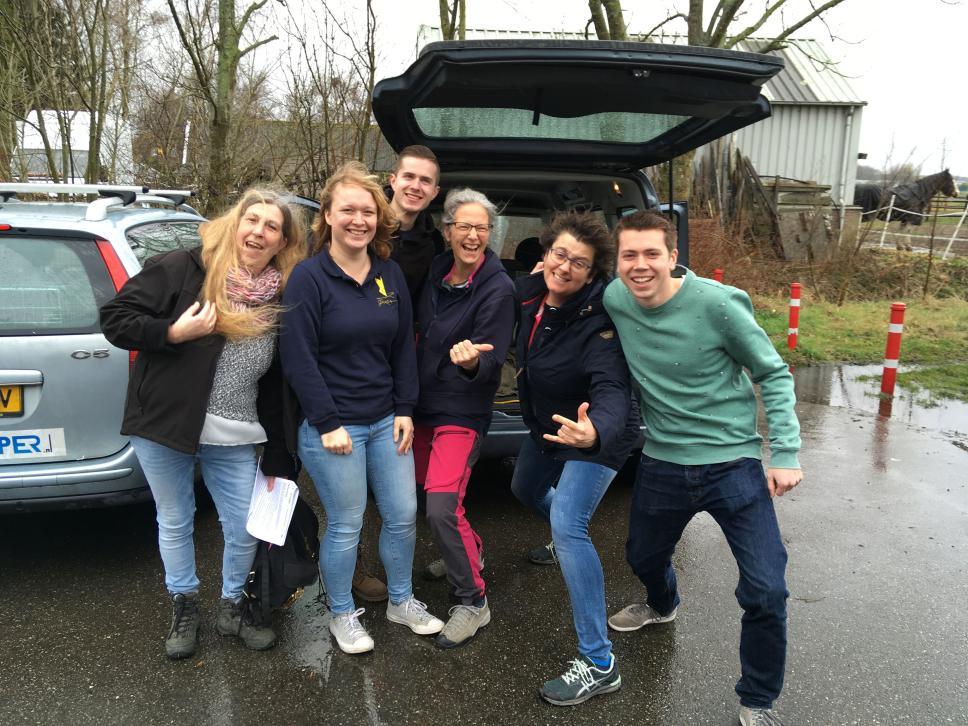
x=437, y=571
x=351, y=636
x=758, y=717
x=182, y=637
x=636, y=615
x=463, y=624
x=231, y=622
x=414, y=615
x=543, y=555
x=581, y=681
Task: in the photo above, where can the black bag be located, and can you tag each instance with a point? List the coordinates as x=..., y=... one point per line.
x=280, y=573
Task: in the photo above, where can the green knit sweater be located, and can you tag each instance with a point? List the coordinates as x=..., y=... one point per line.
x=687, y=357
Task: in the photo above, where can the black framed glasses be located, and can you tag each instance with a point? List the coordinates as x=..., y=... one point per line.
x=465, y=228
x=577, y=263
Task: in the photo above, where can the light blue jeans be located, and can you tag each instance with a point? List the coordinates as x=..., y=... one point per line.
x=229, y=472
x=569, y=505
x=341, y=480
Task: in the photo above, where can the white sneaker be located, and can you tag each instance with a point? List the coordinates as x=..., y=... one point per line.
x=436, y=570
x=758, y=717
x=414, y=615
x=350, y=634
x=637, y=615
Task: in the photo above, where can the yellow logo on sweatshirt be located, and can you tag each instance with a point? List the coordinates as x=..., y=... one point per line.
x=386, y=298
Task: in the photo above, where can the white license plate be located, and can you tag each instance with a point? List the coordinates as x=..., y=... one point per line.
x=32, y=444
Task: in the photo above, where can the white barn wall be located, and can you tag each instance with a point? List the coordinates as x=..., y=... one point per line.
x=806, y=142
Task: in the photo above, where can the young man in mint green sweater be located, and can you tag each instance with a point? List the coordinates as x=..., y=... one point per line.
x=687, y=341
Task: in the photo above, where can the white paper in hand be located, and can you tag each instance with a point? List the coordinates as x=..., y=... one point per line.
x=271, y=512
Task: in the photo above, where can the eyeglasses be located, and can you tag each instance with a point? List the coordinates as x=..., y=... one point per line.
x=482, y=229
x=577, y=263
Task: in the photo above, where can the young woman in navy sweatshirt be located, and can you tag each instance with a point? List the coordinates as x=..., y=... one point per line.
x=348, y=352
x=465, y=318
x=576, y=399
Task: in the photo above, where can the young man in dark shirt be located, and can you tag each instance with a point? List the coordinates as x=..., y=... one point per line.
x=413, y=186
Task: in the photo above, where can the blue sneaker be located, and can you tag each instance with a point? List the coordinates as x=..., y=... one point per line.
x=581, y=681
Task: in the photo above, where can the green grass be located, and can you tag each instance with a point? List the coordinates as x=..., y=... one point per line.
x=935, y=331
x=949, y=381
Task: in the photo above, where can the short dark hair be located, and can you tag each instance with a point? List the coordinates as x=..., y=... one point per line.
x=417, y=151
x=645, y=220
x=587, y=229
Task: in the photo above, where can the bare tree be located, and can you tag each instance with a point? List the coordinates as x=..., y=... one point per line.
x=66, y=59
x=214, y=27
x=722, y=30
x=453, y=19
x=330, y=79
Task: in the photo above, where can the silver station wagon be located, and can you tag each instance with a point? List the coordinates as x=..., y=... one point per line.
x=62, y=385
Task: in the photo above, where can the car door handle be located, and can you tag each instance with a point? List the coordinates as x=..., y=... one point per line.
x=21, y=378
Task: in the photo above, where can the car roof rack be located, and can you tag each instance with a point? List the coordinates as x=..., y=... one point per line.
x=111, y=195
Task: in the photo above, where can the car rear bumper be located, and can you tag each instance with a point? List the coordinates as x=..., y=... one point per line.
x=504, y=436
x=108, y=481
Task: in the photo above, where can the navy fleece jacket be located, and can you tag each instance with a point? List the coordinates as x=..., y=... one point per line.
x=482, y=312
x=574, y=356
x=347, y=349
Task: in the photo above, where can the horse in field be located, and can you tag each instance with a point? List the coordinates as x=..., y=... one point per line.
x=910, y=200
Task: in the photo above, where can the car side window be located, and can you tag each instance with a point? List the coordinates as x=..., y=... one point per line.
x=154, y=238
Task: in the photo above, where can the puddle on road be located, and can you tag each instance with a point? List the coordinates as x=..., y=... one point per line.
x=838, y=385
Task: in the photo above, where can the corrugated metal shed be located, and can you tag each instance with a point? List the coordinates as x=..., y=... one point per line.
x=814, y=133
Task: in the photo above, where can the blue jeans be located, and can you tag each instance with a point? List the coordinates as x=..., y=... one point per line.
x=566, y=494
x=665, y=499
x=229, y=473
x=341, y=480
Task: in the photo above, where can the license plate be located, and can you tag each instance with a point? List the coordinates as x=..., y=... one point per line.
x=11, y=400
x=32, y=444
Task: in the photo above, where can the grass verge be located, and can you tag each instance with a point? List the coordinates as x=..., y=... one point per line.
x=950, y=381
x=935, y=331
x=935, y=336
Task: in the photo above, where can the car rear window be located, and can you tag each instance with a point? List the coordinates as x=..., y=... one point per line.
x=515, y=123
x=51, y=286
x=154, y=238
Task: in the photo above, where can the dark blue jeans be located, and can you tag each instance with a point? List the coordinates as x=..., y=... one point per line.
x=735, y=494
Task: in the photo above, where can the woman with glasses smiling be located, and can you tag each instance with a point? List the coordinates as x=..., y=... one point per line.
x=576, y=399
x=465, y=318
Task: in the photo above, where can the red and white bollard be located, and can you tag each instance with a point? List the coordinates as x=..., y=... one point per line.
x=893, y=351
x=794, y=330
x=718, y=275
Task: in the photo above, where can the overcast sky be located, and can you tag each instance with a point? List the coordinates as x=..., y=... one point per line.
x=906, y=59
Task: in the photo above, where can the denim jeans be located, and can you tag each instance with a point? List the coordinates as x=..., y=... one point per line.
x=341, y=480
x=229, y=473
x=735, y=494
x=566, y=494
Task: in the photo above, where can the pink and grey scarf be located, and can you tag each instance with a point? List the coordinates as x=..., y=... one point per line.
x=245, y=291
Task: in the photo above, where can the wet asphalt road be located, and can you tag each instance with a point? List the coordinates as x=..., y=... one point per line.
x=877, y=536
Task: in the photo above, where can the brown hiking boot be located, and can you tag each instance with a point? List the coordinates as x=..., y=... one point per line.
x=366, y=587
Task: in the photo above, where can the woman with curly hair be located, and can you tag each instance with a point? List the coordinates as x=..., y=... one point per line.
x=348, y=351
x=207, y=387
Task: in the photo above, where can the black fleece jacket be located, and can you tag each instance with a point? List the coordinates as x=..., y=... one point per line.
x=169, y=388
x=482, y=312
x=414, y=249
x=574, y=356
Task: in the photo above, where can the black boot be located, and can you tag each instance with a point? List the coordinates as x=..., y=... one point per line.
x=182, y=638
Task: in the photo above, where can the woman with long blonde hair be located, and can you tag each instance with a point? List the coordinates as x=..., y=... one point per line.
x=207, y=387
x=348, y=352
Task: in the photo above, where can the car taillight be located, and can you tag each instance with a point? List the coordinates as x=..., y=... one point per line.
x=4, y=227
x=132, y=357
x=119, y=275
